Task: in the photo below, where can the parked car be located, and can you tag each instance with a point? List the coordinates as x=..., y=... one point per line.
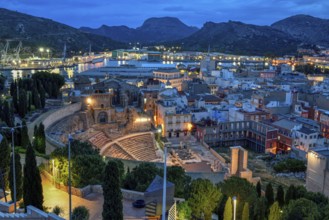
x=140, y=203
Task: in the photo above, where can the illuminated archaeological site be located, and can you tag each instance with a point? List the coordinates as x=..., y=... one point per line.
x=124, y=111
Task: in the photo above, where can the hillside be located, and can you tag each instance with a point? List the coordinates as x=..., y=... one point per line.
x=240, y=38
x=305, y=28
x=152, y=30
x=35, y=32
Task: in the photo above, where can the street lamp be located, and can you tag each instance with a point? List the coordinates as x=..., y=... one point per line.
x=41, y=49
x=69, y=163
x=164, y=184
x=234, y=205
x=12, y=130
x=48, y=52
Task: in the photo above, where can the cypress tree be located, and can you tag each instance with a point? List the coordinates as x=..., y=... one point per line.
x=32, y=186
x=35, y=135
x=13, y=87
x=245, y=212
x=280, y=196
x=5, y=159
x=22, y=110
x=35, y=98
x=112, y=206
x=25, y=141
x=8, y=114
x=15, y=98
x=29, y=105
x=42, y=98
x=269, y=195
x=228, y=211
x=19, y=178
x=290, y=194
x=259, y=189
x=41, y=139
x=275, y=212
x=261, y=208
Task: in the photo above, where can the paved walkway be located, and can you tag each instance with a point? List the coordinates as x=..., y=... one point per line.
x=53, y=196
x=93, y=202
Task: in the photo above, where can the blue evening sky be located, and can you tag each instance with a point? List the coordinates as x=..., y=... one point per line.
x=94, y=13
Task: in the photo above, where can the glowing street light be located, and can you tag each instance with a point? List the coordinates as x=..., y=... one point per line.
x=41, y=50
x=234, y=205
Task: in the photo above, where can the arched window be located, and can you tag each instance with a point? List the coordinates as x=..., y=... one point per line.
x=102, y=117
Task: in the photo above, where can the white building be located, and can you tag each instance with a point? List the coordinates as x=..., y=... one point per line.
x=172, y=114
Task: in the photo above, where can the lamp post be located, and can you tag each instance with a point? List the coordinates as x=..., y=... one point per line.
x=234, y=207
x=41, y=49
x=69, y=166
x=48, y=52
x=164, y=184
x=12, y=130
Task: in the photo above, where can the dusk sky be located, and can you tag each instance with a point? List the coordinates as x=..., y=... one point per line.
x=94, y=13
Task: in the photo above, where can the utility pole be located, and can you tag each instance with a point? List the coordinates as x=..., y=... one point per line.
x=12, y=130
x=164, y=184
x=70, y=189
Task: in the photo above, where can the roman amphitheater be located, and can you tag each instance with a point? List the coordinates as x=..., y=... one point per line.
x=120, y=131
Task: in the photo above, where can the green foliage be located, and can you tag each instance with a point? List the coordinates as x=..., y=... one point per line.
x=184, y=211
x=112, y=206
x=121, y=168
x=5, y=159
x=301, y=209
x=25, y=140
x=32, y=186
x=280, y=196
x=242, y=189
x=87, y=169
x=8, y=115
x=58, y=210
x=178, y=176
x=19, y=178
x=22, y=110
x=228, y=211
x=39, y=142
x=269, y=194
x=275, y=212
x=245, y=212
x=259, y=189
x=309, y=69
x=203, y=198
x=290, y=165
x=2, y=83
x=290, y=194
x=260, y=209
x=86, y=163
x=50, y=82
x=326, y=212
x=80, y=213
x=141, y=177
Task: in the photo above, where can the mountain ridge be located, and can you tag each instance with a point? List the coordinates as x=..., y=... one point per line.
x=37, y=32
x=155, y=29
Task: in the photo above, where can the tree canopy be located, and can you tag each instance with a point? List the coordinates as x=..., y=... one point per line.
x=301, y=209
x=203, y=198
x=242, y=189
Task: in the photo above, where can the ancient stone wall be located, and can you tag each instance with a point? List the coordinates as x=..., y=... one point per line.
x=61, y=113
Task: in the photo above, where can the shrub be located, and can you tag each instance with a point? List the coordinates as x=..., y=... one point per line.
x=290, y=165
x=80, y=213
